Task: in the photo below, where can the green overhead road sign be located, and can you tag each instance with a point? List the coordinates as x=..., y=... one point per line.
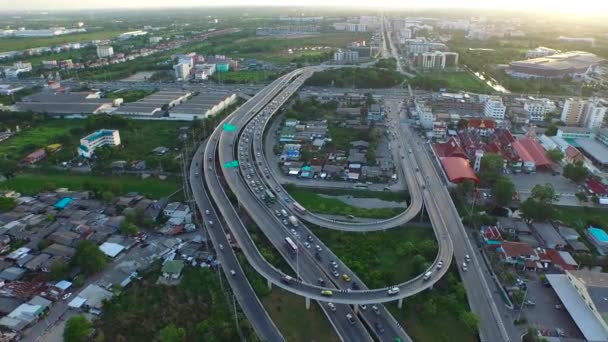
x=229, y=128
x=232, y=164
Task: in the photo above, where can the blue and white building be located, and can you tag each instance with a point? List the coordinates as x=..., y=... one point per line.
x=102, y=137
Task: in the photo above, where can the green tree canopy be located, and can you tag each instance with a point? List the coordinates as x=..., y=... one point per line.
x=503, y=190
x=470, y=320
x=89, y=257
x=551, y=131
x=171, y=333
x=544, y=193
x=77, y=329
x=7, y=204
x=128, y=228
x=534, y=210
x=555, y=154
x=576, y=172
x=490, y=168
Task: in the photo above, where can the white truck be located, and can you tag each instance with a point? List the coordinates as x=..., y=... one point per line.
x=293, y=220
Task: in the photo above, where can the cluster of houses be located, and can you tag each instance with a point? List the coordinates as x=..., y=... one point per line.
x=547, y=246
x=45, y=230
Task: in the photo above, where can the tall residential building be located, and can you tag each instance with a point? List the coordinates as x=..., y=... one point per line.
x=494, y=108
x=436, y=59
x=572, y=112
x=594, y=113
x=182, y=71
x=103, y=137
x=346, y=57
x=537, y=109
x=104, y=51
x=425, y=114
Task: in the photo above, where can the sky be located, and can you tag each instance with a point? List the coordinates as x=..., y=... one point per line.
x=579, y=7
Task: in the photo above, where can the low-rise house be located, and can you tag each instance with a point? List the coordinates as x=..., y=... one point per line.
x=63, y=237
x=36, y=263
x=598, y=238
x=12, y=273
x=172, y=269
x=60, y=250
x=549, y=237
x=516, y=253
x=513, y=226
x=92, y=297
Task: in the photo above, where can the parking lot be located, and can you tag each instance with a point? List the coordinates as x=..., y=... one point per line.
x=544, y=315
x=563, y=186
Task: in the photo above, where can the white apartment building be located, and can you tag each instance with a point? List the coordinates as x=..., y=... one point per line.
x=182, y=71
x=494, y=108
x=203, y=71
x=103, y=137
x=351, y=27
x=346, y=57
x=414, y=46
x=537, y=109
x=104, y=51
x=594, y=113
x=424, y=113
x=572, y=111
x=404, y=34
x=437, y=59
x=541, y=51
x=17, y=68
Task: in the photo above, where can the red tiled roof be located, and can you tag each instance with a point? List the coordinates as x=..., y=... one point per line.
x=449, y=149
x=573, y=154
x=530, y=150
x=491, y=233
x=517, y=249
x=596, y=187
x=504, y=136
x=556, y=258
x=458, y=169
x=481, y=123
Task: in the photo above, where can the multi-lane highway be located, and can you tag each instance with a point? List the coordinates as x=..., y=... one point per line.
x=306, y=263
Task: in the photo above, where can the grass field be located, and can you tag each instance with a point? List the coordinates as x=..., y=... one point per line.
x=12, y=43
x=582, y=217
x=33, y=183
x=138, y=140
x=394, y=196
x=382, y=258
x=321, y=205
x=452, y=81
x=30, y=139
x=287, y=310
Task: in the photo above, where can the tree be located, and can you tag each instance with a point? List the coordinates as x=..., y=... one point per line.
x=171, y=333
x=490, y=168
x=8, y=167
x=89, y=257
x=544, y=193
x=107, y=196
x=534, y=210
x=551, y=131
x=77, y=329
x=502, y=191
x=59, y=270
x=430, y=308
x=128, y=228
x=576, y=172
x=470, y=320
x=555, y=154
x=581, y=196
x=7, y=204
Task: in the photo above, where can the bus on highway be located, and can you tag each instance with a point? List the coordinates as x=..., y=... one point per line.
x=269, y=197
x=293, y=248
x=360, y=186
x=299, y=208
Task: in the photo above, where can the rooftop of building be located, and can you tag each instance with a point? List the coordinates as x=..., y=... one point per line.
x=458, y=169
x=561, y=61
x=595, y=149
x=529, y=150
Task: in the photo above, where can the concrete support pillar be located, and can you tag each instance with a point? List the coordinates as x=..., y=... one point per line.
x=307, y=303
x=269, y=284
x=356, y=308
x=400, y=303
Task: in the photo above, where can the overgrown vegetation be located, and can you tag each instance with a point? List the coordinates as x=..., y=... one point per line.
x=356, y=77
x=130, y=95
x=198, y=305
x=450, y=81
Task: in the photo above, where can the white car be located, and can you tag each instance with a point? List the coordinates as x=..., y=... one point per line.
x=331, y=306
x=232, y=272
x=440, y=264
